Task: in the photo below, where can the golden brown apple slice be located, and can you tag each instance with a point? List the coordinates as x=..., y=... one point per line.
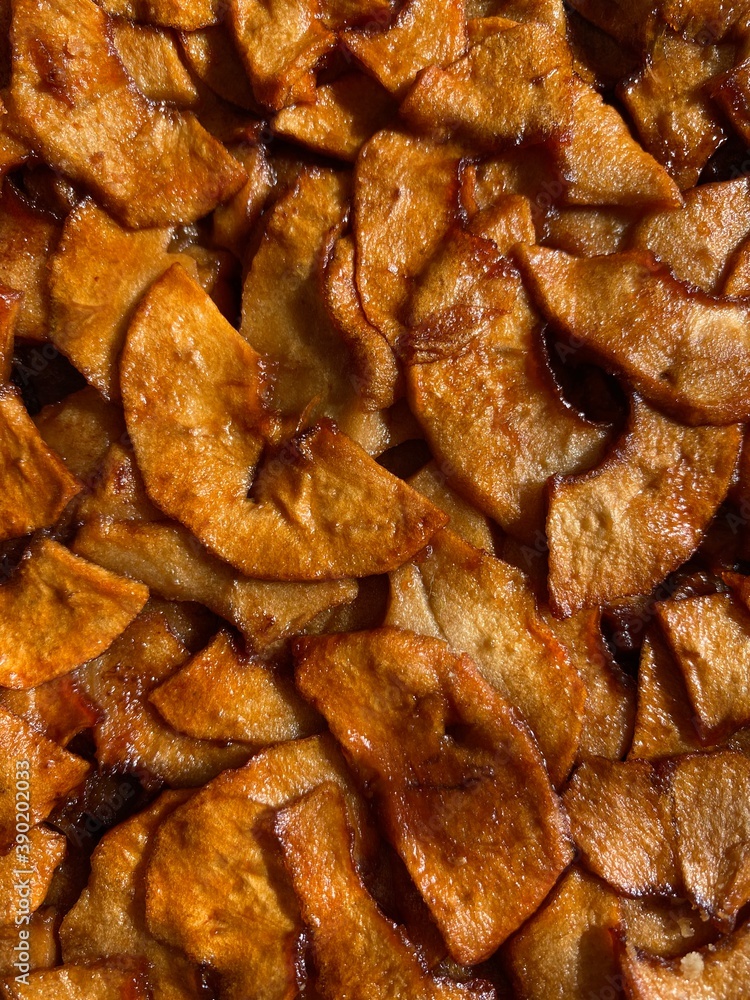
x=716, y=972
x=602, y=164
x=129, y=732
x=406, y=198
x=319, y=508
x=36, y=484
x=454, y=775
x=152, y=58
x=222, y=843
x=684, y=351
x=665, y=721
x=29, y=759
x=212, y=56
x=153, y=167
x=358, y=952
x=343, y=116
x=58, y=611
x=45, y=850
x=480, y=387
x=609, y=711
x=528, y=63
x=566, y=950
x=10, y=307
x=109, y=918
x=485, y=607
x=620, y=819
x=97, y=277
x=222, y=695
x=56, y=708
x=677, y=121
x=425, y=33
x=633, y=23
x=124, y=532
x=668, y=928
x=81, y=428
x=698, y=242
x=622, y=528
x=117, y=980
x=27, y=239
x=712, y=821
x=376, y=374
x=280, y=43
x=710, y=639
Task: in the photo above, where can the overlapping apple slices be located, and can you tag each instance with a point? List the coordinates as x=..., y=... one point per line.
x=454, y=775
x=337, y=907
x=683, y=350
x=621, y=528
x=479, y=384
x=156, y=167
x=221, y=843
x=315, y=507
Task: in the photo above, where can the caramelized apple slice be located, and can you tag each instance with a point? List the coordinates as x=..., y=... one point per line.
x=480, y=387
x=186, y=14
x=405, y=201
x=454, y=775
x=102, y=981
x=57, y=611
x=151, y=168
x=665, y=721
x=710, y=639
x=712, y=821
x=677, y=121
x=717, y=972
x=425, y=33
x=622, y=528
x=97, y=277
x=566, y=949
x=485, y=607
x=320, y=507
x=221, y=843
x=280, y=42
x=28, y=758
x=343, y=116
x=152, y=58
x=222, y=695
x=27, y=240
x=81, y=428
x=528, y=63
x=109, y=918
x=129, y=733
x=602, y=162
x=620, y=819
x=44, y=850
x=684, y=351
x=358, y=952
x=36, y=485
x=698, y=241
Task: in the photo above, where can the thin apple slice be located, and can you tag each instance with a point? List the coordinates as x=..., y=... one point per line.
x=221, y=843
x=480, y=386
x=58, y=611
x=320, y=508
x=620, y=529
x=358, y=952
x=155, y=167
x=685, y=351
x=710, y=639
x=528, y=63
x=454, y=775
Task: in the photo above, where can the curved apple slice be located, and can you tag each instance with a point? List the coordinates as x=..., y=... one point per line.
x=686, y=352
x=622, y=528
x=320, y=507
x=57, y=612
x=479, y=387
